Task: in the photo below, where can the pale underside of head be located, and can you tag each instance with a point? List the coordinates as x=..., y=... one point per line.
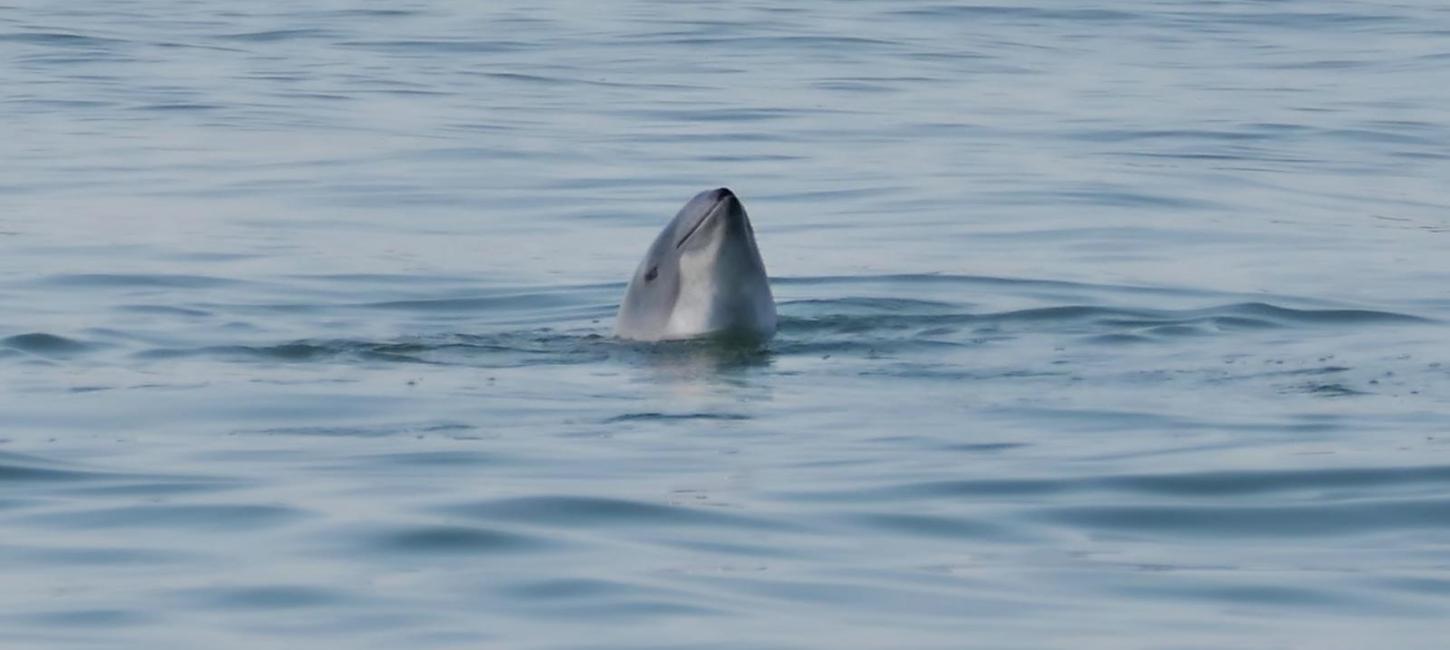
x=702, y=277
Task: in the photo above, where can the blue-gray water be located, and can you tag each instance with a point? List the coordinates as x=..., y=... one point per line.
x=1116, y=325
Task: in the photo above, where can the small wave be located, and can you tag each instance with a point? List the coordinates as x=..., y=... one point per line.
x=1354, y=518
x=658, y=417
x=166, y=310
x=206, y=517
x=1032, y=14
x=934, y=526
x=439, y=46
x=365, y=431
x=44, y=344
x=1331, y=389
x=449, y=541
x=573, y=511
x=136, y=280
x=1101, y=324
x=1202, y=485
x=90, y=618
x=176, y=106
x=435, y=459
x=262, y=597
x=20, y=468
x=60, y=39
x=783, y=42
x=277, y=35
x=505, y=350
x=563, y=589
x=1327, y=316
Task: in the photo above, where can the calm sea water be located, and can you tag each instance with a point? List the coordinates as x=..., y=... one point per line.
x=1110, y=326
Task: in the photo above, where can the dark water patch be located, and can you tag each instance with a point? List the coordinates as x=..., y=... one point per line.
x=668, y=417
x=1357, y=518
x=900, y=320
x=581, y=81
x=571, y=589
x=988, y=281
x=1118, y=339
x=730, y=115
x=262, y=597
x=90, y=556
x=1262, y=595
x=644, y=611
x=869, y=596
x=1315, y=371
x=232, y=518
x=177, y=107
x=1418, y=584
x=1306, y=20
x=761, y=550
x=937, y=526
x=297, y=351
x=155, y=489
x=374, y=13
x=165, y=310
x=372, y=279
x=1031, y=15
x=21, y=473
x=365, y=431
x=1124, y=325
x=439, y=459
x=1316, y=316
x=89, y=618
x=136, y=281
x=986, y=447
x=1428, y=479
x=575, y=511
x=61, y=39
x=24, y=468
x=503, y=350
x=1110, y=420
x=747, y=43
x=1323, y=64
x=1325, y=389
x=43, y=103
x=868, y=305
x=1311, y=483
x=278, y=35
x=444, y=540
x=1067, y=312
x=1110, y=197
x=1133, y=135
x=937, y=372
x=19, y=503
x=48, y=345
x=439, y=46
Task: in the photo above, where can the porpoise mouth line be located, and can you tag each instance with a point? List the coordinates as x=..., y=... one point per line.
x=708, y=216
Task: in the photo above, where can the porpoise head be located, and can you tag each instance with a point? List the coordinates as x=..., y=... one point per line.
x=702, y=277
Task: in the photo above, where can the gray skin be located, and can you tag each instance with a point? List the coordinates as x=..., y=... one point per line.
x=702, y=277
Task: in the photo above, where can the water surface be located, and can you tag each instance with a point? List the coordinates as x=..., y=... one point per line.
x=1103, y=326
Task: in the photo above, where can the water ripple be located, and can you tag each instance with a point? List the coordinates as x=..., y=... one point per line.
x=573, y=511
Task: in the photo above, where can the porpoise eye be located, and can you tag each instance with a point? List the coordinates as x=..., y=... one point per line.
x=651, y=274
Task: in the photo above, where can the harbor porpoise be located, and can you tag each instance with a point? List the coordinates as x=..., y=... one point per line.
x=702, y=277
